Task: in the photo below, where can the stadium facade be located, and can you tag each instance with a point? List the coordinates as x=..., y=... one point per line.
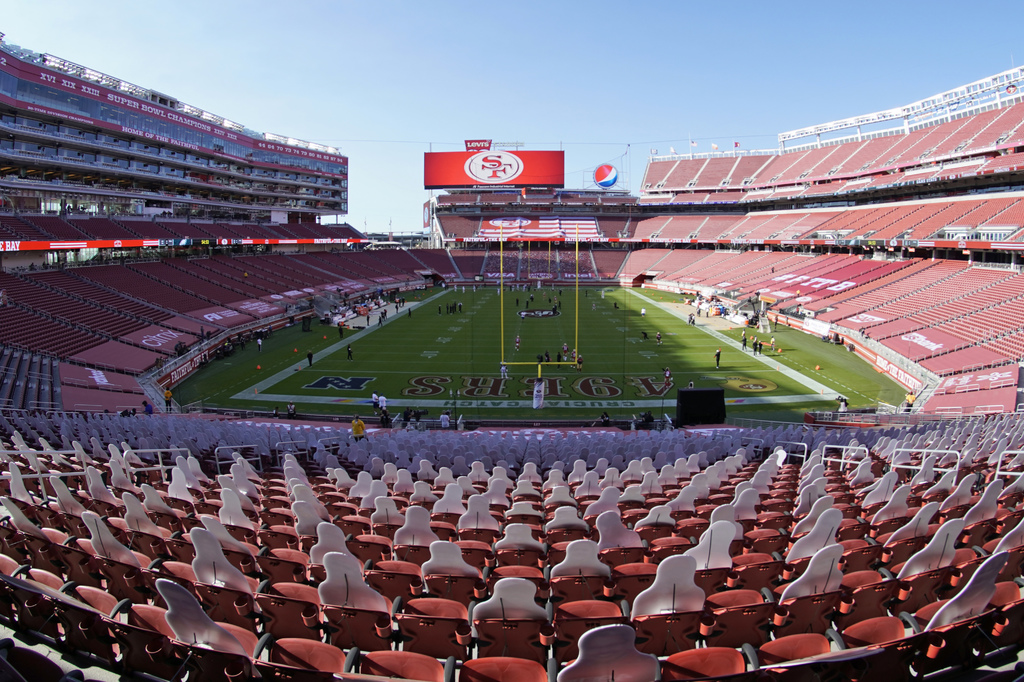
x=80, y=141
x=851, y=232
x=899, y=230
x=923, y=202
x=959, y=144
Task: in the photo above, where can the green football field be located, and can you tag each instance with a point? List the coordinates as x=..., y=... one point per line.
x=431, y=360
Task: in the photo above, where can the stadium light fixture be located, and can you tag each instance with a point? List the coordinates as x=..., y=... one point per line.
x=974, y=95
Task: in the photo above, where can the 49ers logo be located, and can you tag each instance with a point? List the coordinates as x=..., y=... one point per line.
x=750, y=385
x=510, y=222
x=494, y=168
x=538, y=313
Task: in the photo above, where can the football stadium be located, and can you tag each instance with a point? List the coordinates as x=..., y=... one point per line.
x=753, y=417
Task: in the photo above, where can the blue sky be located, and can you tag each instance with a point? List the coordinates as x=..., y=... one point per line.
x=386, y=81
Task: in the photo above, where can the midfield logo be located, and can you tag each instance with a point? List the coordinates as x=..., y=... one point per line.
x=341, y=383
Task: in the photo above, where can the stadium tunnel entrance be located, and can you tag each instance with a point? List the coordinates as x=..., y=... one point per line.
x=643, y=278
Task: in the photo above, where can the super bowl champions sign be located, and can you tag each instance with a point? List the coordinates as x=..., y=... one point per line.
x=491, y=168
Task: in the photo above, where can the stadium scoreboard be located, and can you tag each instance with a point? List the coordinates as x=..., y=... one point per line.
x=493, y=168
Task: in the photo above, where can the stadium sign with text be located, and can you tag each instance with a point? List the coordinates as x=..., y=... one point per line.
x=485, y=388
x=442, y=170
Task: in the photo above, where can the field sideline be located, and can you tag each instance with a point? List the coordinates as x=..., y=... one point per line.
x=425, y=358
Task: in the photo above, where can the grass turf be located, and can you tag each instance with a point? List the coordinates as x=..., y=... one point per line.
x=420, y=361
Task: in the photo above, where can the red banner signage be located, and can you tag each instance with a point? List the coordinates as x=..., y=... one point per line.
x=12, y=246
x=442, y=170
x=478, y=145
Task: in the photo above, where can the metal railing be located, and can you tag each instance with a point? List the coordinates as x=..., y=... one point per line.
x=159, y=452
x=858, y=419
x=799, y=444
x=750, y=423
x=844, y=459
x=924, y=454
x=279, y=450
x=239, y=448
x=6, y=475
x=332, y=443
x=1002, y=456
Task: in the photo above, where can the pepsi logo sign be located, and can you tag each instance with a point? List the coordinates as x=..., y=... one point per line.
x=606, y=176
x=494, y=167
